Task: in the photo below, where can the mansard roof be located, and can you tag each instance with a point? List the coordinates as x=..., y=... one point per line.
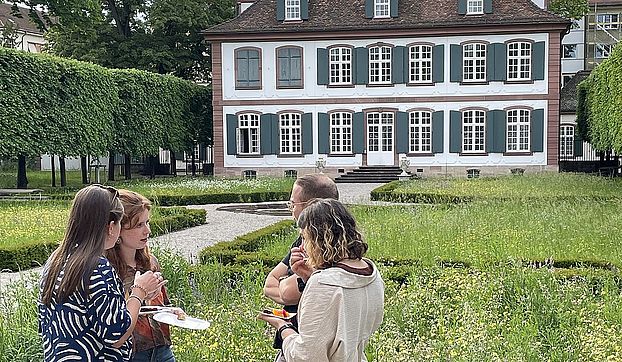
x=349, y=15
x=22, y=21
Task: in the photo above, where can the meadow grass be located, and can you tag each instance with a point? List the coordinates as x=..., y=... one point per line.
x=41, y=179
x=531, y=186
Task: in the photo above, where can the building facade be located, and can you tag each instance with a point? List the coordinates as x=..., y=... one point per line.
x=447, y=85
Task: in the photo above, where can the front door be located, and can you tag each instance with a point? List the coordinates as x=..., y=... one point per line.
x=380, y=138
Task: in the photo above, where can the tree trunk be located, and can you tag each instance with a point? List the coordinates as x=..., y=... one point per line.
x=173, y=163
x=63, y=171
x=152, y=166
x=193, y=164
x=84, y=167
x=128, y=167
x=110, y=165
x=22, y=180
x=53, y=165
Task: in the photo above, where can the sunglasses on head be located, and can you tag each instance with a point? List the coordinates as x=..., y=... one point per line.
x=110, y=189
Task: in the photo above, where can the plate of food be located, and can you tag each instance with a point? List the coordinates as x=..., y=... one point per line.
x=181, y=320
x=278, y=313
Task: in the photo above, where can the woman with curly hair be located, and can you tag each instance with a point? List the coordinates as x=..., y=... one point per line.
x=342, y=303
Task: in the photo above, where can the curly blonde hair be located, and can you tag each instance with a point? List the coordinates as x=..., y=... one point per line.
x=329, y=233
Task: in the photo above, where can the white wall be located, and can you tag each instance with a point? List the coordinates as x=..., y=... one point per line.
x=575, y=36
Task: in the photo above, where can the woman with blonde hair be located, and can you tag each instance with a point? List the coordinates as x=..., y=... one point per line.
x=152, y=340
x=342, y=303
x=83, y=313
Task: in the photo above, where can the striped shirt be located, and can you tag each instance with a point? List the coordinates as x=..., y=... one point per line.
x=84, y=329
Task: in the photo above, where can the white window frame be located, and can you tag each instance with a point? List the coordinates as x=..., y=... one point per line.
x=608, y=21
x=566, y=140
x=518, y=130
x=377, y=141
x=340, y=66
x=475, y=7
x=292, y=9
x=604, y=49
x=341, y=133
x=380, y=64
x=474, y=131
x=474, y=62
x=519, y=61
x=569, y=46
x=420, y=132
x=382, y=8
x=420, y=64
x=248, y=122
x=290, y=133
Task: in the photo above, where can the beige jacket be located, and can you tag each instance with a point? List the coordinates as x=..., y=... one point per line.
x=337, y=314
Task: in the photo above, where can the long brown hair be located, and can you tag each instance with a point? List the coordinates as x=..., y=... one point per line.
x=93, y=208
x=134, y=204
x=330, y=234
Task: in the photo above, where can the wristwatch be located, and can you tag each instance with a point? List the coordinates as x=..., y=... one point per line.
x=301, y=284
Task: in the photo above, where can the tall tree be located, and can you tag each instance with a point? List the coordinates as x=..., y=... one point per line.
x=572, y=9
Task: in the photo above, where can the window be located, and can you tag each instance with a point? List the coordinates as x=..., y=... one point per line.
x=576, y=24
x=475, y=7
x=570, y=51
x=289, y=67
x=35, y=47
x=518, y=130
x=473, y=131
x=380, y=65
x=248, y=134
x=420, y=132
x=566, y=141
x=420, y=64
x=603, y=50
x=292, y=9
x=566, y=78
x=341, y=132
x=380, y=131
x=519, y=61
x=474, y=62
x=291, y=133
x=340, y=63
x=247, y=69
x=381, y=9
x=608, y=21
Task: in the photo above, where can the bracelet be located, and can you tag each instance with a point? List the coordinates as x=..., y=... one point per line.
x=284, y=327
x=139, y=287
x=137, y=298
x=301, y=284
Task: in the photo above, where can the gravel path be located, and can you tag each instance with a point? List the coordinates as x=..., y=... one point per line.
x=222, y=225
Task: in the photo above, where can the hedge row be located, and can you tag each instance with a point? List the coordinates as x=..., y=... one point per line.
x=223, y=198
x=22, y=257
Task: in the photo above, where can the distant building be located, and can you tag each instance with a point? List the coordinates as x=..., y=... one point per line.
x=28, y=37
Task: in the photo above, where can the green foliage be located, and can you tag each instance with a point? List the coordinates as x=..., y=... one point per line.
x=600, y=109
x=572, y=9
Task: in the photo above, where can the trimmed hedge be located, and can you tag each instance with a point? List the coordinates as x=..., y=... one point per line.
x=22, y=257
x=223, y=198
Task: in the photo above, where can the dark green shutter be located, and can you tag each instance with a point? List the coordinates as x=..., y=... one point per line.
x=455, y=132
x=438, y=130
x=232, y=125
x=500, y=61
x=358, y=133
x=537, y=60
x=490, y=129
x=323, y=133
x=369, y=9
x=362, y=65
x=280, y=10
x=275, y=135
x=304, y=9
x=537, y=130
x=322, y=66
x=438, y=63
x=401, y=133
x=398, y=55
x=490, y=62
x=265, y=133
x=455, y=63
x=578, y=145
x=394, y=12
x=488, y=6
x=462, y=7
x=307, y=133
x=500, y=131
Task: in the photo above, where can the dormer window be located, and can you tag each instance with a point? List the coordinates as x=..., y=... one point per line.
x=475, y=7
x=292, y=9
x=382, y=9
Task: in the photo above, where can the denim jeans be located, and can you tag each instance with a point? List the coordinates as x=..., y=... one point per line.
x=158, y=354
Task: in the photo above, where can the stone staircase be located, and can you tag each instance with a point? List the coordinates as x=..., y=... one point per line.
x=370, y=174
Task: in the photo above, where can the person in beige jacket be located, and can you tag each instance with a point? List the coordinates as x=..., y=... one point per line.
x=342, y=303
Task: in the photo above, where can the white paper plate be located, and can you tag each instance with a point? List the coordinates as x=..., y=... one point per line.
x=189, y=322
x=289, y=315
